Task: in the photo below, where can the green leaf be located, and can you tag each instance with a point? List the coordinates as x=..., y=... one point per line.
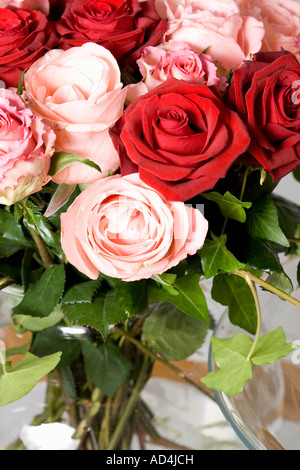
x=262, y=255
x=17, y=350
x=11, y=271
x=216, y=257
x=235, y=368
x=61, y=160
x=166, y=281
x=172, y=334
x=230, y=206
x=29, y=323
x=105, y=366
x=262, y=222
x=12, y=238
x=271, y=347
x=101, y=314
x=54, y=339
x=281, y=281
x=131, y=296
x=20, y=379
x=288, y=214
x=296, y=173
x=233, y=291
x=20, y=83
x=190, y=300
x=82, y=292
x=40, y=225
x=41, y=298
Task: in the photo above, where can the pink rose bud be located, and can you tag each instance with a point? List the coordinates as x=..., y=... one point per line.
x=26, y=147
x=122, y=228
x=79, y=93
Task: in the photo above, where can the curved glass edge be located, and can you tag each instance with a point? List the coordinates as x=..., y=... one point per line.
x=232, y=416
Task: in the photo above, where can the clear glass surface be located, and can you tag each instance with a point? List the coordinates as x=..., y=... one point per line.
x=266, y=415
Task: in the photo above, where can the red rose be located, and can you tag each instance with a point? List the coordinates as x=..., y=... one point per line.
x=124, y=27
x=25, y=35
x=266, y=94
x=180, y=138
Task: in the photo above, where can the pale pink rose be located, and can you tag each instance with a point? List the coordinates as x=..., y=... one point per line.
x=217, y=26
x=178, y=60
x=172, y=59
x=26, y=147
x=41, y=5
x=281, y=19
x=79, y=94
x=124, y=229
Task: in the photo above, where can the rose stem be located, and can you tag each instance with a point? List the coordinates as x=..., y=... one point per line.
x=42, y=249
x=170, y=366
x=129, y=408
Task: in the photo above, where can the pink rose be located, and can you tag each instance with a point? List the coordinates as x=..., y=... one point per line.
x=281, y=19
x=41, y=5
x=217, y=25
x=122, y=228
x=79, y=94
x=172, y=59
x=26, y=147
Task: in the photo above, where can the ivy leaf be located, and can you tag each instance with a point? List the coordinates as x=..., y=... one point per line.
x=42, y=297
x=271, y=347
x=190, y=300
x=61, y=160
x=233, y=291
x=234, y=370
x=231, y=357
x=262, y=255
x=216, y=257
x=281, y=281
x=12, y=238
x=21, y=378
x=105, y=365
x=172, y=334
x=166, y=281
x=230, y=206
x=262, y=222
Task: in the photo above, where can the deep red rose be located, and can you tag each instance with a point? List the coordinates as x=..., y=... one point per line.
x=180, y=138
x=25, y=35
x=266, y=94
x=124, y=27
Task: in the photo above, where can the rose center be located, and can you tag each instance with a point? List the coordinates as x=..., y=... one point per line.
x=101, y=10
x=174, y=121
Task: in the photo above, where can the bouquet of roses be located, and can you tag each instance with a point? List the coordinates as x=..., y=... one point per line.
x=141, y=142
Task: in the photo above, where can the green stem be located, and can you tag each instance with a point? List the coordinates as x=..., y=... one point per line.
x=83, y=427
x=129, y=407
x=266, y=285
x=167, y=364
x=258, y=311
x=244, y=183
